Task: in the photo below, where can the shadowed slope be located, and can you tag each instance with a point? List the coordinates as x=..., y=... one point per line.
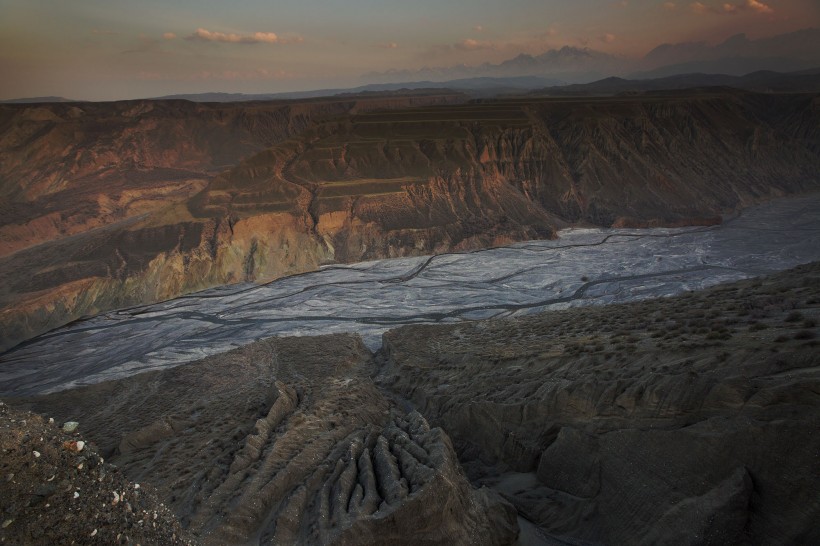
x=685, y=420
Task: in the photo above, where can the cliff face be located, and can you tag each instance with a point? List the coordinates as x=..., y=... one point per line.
x=115, y=204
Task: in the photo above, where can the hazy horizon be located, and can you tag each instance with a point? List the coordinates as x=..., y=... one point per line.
x=95, y=50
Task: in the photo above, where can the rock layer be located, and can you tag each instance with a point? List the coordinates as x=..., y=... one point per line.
x=156, y=199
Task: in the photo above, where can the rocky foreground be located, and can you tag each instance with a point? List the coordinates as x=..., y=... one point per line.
x=57, y=489
x=686, y=420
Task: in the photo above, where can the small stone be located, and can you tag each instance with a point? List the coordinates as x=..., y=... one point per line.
x=74, y=445
x=136, y=486
x=51, y=420
x=76, y=495
x=116, y=498
x=93, y=533
x=36, y=454
x=80, y=466
x=70, y=426
x=7, y=523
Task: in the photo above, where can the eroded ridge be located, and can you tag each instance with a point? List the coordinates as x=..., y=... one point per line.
x=403, y=484
x=287, y=441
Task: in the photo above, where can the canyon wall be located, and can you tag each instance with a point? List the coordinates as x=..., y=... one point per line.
x=110, y=205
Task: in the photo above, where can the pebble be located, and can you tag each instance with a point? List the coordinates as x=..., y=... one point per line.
x=94, y=532
x=70, y=426
x=51, y=420
x=76, y=495
x=36, y=454
x=116, y=498
x=74, y=445
x=7, y=523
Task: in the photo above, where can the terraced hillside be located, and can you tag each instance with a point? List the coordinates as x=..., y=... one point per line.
x=347, y=181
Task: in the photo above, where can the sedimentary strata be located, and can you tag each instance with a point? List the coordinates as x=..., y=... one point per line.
x=158, y=198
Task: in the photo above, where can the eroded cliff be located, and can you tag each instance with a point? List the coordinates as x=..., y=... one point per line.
x=149, y=207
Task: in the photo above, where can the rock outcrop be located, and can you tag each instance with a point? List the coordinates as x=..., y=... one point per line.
x=153, y=199
x=688, y=420
x=56, y=489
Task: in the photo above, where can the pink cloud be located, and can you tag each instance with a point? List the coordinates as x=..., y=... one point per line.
x=759, y=7
x=169, y=36
x=470, y=44
x=205, y=35
x=729, y=8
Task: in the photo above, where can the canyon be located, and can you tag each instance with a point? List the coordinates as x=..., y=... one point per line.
x=689, y=419
x=412, y=318
x=110, y=205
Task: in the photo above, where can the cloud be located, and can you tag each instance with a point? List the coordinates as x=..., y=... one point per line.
x=729, y=8
x=469, y=44
x=607, y=38
x=759, y=7
x=205, y=35
x=478, y=28
x=671, y=6
x=169, y=36
x=389, y=45
x=701, y=8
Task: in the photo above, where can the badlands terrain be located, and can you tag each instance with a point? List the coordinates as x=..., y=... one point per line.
x=154, y=199
x=512, y=321
x=682, y=420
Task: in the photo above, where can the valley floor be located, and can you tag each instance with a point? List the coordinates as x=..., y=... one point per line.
x=582, y=267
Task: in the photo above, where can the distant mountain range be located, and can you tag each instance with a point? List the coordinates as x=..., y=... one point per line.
x=669, y=66
x=473, y=86
x=32, y=100
x=737, y=55
x=569, y=64
x=807, y=81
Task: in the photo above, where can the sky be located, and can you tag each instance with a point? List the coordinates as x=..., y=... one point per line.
x=120, y=49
